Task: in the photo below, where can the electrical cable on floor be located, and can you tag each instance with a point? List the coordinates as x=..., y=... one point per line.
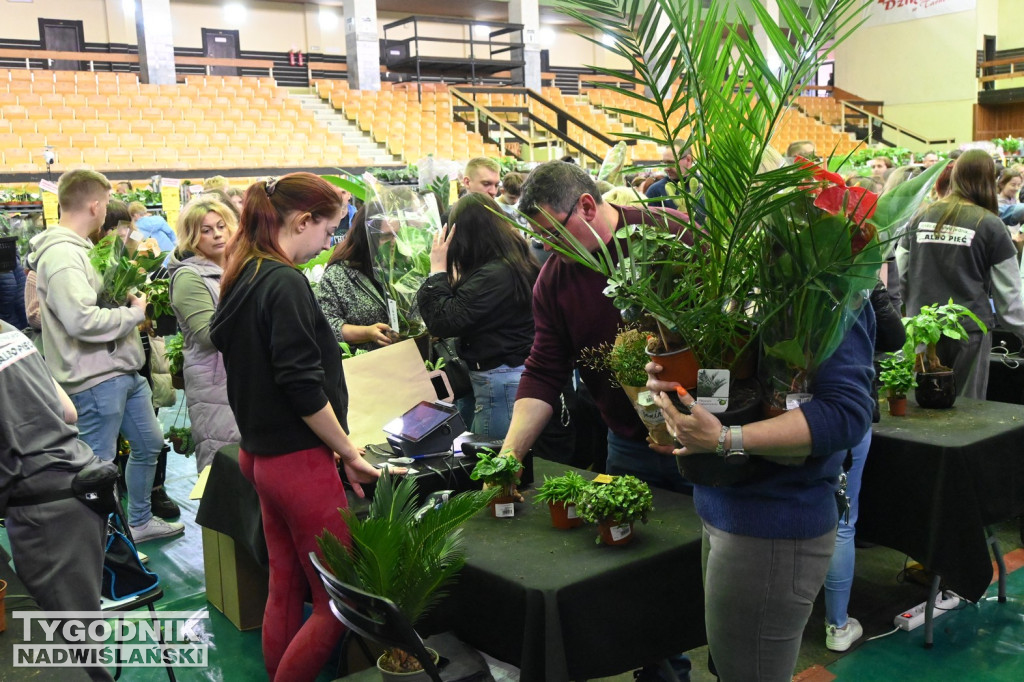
x=882, y=635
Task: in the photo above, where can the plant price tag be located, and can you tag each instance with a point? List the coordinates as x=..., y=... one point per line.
x=504, y=511
x=619, y=532
x=570, y=511
x=713, y=389
x=603, y=478
x=795, y=400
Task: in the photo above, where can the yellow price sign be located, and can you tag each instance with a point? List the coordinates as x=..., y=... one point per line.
x=50, y=213
x=170, y=198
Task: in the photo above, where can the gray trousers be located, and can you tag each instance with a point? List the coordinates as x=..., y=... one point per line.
x=758, y=595
x=58, y=554
x=969, y=362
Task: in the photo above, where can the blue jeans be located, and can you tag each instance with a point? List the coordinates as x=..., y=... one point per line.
x=633, y=457
x=839, y=579
x=124, y=403
x=495, y=393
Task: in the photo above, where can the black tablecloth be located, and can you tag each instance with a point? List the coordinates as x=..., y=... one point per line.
x=231, y=506
x=935, y=478
x=562, y=607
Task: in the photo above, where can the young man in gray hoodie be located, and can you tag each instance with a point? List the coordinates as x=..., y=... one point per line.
x=94, y=352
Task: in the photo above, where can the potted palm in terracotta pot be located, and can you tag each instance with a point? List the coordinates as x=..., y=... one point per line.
x=936, y=385
x=615, y=504
x=562, y=493
x=402, y=553
x=502, y=473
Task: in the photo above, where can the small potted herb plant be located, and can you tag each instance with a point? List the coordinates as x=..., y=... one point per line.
x=499, y=472
x=626, y=359
x=936, y=385
x=897, y=376
x=562, y=493
x=614, y=506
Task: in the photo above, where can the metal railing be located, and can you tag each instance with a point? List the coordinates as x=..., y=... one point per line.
x=538, y=132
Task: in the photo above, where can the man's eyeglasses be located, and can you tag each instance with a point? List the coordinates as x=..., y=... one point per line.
x=568, y=216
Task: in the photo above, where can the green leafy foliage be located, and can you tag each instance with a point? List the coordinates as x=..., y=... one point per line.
x=932, y=323
x=409, y=175
x=174, y=351
x=157, y=292
x=350, y=183
x=347, y=352
x=897, y=374
x=442, y=187
x=712, y=87
x=566, y=488
x=124, y=267
x=1010, y=145
x=626, y=499
x=181, y=438
x=394, y=554
x=496, y=470
x=900, y=155
x=150, y=198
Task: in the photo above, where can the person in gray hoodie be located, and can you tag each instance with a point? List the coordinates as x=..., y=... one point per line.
x=94, y=352
x=204, y=227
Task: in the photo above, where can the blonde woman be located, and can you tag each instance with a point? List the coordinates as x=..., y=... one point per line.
x=204, y=227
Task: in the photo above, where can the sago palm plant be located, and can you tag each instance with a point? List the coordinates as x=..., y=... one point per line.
x=400, y=554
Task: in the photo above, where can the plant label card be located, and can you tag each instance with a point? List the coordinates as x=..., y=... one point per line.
x=392, y=314
x=570, y=511
x=504, y=511
x=620, y=532
x=713, y=389
x=795, y=400
x=603, y=478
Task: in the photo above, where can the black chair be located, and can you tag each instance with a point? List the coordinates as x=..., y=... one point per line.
x=374, y=618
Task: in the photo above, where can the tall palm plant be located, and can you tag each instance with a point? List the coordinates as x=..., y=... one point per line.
x=699, y=77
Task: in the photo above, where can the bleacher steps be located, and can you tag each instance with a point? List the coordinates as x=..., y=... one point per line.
x=348, y=130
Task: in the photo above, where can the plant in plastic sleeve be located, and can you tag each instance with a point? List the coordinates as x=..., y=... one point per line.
x=125, y=266
x=400, y=225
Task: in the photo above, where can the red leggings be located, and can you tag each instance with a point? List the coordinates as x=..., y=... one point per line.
x=300, y=493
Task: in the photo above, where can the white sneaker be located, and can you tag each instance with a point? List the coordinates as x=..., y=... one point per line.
x=842, y=638
x=156, y=528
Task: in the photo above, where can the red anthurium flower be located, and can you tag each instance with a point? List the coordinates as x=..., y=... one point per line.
x=860, y=204
x=831, y=199
x=820, y=174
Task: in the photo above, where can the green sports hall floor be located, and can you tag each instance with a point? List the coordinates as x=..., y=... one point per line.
x=982, y=642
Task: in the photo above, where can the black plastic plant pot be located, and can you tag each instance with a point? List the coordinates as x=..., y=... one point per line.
x=935, y=390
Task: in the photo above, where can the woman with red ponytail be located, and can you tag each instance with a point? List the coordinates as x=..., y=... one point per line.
x=286, y=388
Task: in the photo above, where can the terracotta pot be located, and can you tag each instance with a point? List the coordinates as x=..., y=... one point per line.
x=935, y=390
x=564, y=515
x=677, y=365
x=615, y=533
x=414, y=676
x=898, y=406
x=503, y=507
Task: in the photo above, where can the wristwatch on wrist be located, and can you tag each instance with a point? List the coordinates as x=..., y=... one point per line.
x=720, y=450
x=736, y=454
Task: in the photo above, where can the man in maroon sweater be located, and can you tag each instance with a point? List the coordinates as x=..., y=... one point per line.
x=572, y=313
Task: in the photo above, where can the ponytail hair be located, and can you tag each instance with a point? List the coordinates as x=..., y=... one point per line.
x=265, y=206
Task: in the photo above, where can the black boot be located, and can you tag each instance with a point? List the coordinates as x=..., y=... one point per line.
x=163, y=506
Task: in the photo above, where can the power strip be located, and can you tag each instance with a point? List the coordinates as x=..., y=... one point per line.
x=911, y=618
